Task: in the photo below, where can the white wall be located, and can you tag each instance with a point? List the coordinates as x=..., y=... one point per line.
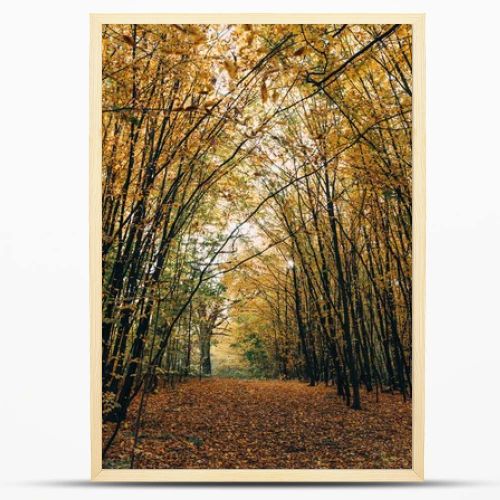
x=44, y=444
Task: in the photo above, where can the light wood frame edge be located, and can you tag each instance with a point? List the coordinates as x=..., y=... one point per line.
x=419, y=248
x=95, y=223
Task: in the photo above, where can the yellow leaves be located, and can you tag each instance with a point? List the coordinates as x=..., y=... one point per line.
x=282, y=29
x=231, y=68
x=173, y=52
x=186, y=28
x=186, y=108
x=179, y=27
x=210, y=103
x=197, y=37
x=250, y=38
x=262, y=50
x=263, y=91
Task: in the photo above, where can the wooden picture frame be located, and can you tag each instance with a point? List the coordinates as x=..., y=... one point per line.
x=265, y=475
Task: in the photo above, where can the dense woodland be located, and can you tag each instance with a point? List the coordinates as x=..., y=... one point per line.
x=256, y=191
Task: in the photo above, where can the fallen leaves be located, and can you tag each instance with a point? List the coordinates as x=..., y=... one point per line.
x=250, y=424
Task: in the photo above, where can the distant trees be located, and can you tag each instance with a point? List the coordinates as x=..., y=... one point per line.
x=263, y=170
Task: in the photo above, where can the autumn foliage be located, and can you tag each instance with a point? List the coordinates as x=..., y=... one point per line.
x=257, y=191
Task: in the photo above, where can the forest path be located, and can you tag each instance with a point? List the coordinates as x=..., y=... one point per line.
x=229, y=423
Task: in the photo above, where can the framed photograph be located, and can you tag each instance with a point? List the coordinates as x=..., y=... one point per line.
x=257, y=247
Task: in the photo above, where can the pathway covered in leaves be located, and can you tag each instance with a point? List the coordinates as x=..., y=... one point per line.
x=250, y=424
